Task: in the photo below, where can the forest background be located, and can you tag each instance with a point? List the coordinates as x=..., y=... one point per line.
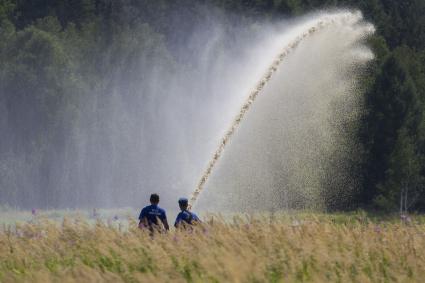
x=57, y=58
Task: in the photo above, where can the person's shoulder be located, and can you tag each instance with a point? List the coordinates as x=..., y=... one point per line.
x=183, y=215
x=194, y=216
x=180, y=215
x=161, y=209
x=188, y=215
x=143, y=212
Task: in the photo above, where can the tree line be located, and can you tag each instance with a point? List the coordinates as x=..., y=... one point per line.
x=56, y=53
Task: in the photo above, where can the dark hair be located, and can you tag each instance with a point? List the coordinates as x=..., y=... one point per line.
x=154, y=198
x=183, y=202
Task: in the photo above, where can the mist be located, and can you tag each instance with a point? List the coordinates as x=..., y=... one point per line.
x=161, y=104
x=298, y=147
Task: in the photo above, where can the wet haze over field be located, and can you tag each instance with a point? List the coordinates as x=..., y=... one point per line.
x=293, y=149
x=303, y=129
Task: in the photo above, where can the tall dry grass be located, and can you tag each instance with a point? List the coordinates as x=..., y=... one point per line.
x=264, y=249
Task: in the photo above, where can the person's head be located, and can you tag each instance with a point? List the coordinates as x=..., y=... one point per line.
x=154, y=199
x=183, y=203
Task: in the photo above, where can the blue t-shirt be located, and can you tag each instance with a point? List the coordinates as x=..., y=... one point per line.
x=186, y=216
x=153, y=213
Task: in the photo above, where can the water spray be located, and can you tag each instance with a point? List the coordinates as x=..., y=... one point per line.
x=315, y=26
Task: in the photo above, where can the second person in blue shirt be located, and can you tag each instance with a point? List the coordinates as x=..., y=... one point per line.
x=185, y=217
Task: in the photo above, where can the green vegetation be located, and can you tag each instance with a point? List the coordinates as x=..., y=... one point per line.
x=56, y=54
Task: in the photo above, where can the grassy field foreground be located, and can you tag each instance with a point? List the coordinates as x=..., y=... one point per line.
x=264, y=249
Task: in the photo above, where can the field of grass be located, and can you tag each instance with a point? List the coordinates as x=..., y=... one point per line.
x=278, y=248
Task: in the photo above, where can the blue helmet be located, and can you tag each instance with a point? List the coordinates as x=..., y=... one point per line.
x=183, y=201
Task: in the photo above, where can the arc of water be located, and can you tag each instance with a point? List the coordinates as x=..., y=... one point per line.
x=319, y=25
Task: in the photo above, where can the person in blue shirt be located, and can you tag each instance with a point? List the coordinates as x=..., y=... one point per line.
x=152, y=216
x=185, y=217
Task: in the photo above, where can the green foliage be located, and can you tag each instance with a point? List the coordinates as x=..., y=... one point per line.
x=393, y=124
